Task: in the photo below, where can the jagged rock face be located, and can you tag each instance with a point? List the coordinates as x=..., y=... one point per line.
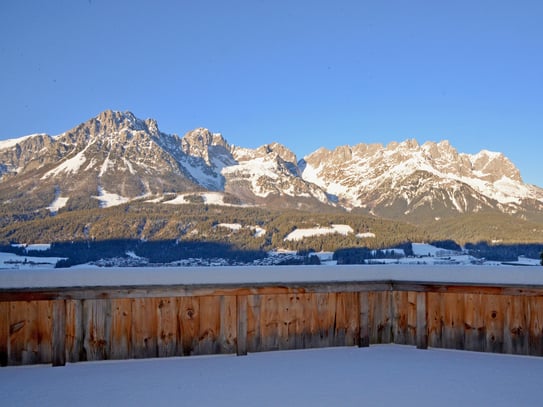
x=399, y=178
x=116, y=157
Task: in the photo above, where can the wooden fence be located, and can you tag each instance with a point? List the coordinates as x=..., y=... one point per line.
x=82, y=324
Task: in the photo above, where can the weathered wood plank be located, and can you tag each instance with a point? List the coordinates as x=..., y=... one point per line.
x=435, y=322
x=381, y=323
x=400, y=314
x=535, y=305
x=364, y=306
x=323, y=319
x=452, y=311
x=189, y=323
x=75, y=349
x=272, y=322
x=242, y=325
x=45, y=331
x=254, y=319
x=422, y=321
x=474, y=329
x=23, y=332
x=493, y=319
x=59, y=333
x=516, y=326
x=144, y=328
x=97, y=329
x=208, y=338
x=412, y=318
x=121, y=329
x=167, y=327
x=4, y=333
x=347, y=319
x=228, y=324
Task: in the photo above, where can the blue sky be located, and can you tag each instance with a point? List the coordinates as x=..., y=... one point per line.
x=303, y=73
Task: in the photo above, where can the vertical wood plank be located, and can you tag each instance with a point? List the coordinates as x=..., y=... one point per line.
x=364, y=305
x=535, y=305
x=228, y=324
x=347, y=319
x=242, y=323
x=4, y=333
x=400, y=309
x=381, y=324
x=208, y=343
x=516, y=327
x=254, y=331
x=121, y=328
x=324, y=319
x=75, y=331
x=475, y=331
x=422, y=324
x=144, y=328
x=453, y=321
x=494, y=316
x=167, y=327
x=189, y=323
x=412, y=318
x=434, y=319
x=97, y=329
x=270, y=322
x=59, y=333
x=44, y=327
x=23, y=332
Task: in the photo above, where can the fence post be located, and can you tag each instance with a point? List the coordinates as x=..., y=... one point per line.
x=364, y=337
x=422, y=324
x=242, y=325
x=59, y=333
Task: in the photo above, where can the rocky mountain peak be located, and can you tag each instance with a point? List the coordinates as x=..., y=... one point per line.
x=494, y=166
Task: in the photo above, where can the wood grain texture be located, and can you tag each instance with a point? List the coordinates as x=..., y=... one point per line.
x=4, y=333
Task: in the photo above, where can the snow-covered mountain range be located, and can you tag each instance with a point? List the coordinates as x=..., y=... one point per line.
x=116, y=157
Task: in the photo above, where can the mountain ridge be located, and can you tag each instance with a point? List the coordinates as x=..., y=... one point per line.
x=115, y=158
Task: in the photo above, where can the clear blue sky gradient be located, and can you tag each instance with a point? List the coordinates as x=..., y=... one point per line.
x=303, y=73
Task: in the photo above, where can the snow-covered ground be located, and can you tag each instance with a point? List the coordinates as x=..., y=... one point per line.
x=299, y=234
x=122, y=276
x=384, y=375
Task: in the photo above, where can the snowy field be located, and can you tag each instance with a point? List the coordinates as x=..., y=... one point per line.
x=383, y=375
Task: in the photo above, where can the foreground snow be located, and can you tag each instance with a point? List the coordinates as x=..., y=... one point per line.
x=383, y=375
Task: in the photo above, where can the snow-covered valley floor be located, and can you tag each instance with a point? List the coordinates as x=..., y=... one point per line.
x=381, y=375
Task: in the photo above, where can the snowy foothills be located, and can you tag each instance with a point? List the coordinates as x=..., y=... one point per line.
x=117, y=177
